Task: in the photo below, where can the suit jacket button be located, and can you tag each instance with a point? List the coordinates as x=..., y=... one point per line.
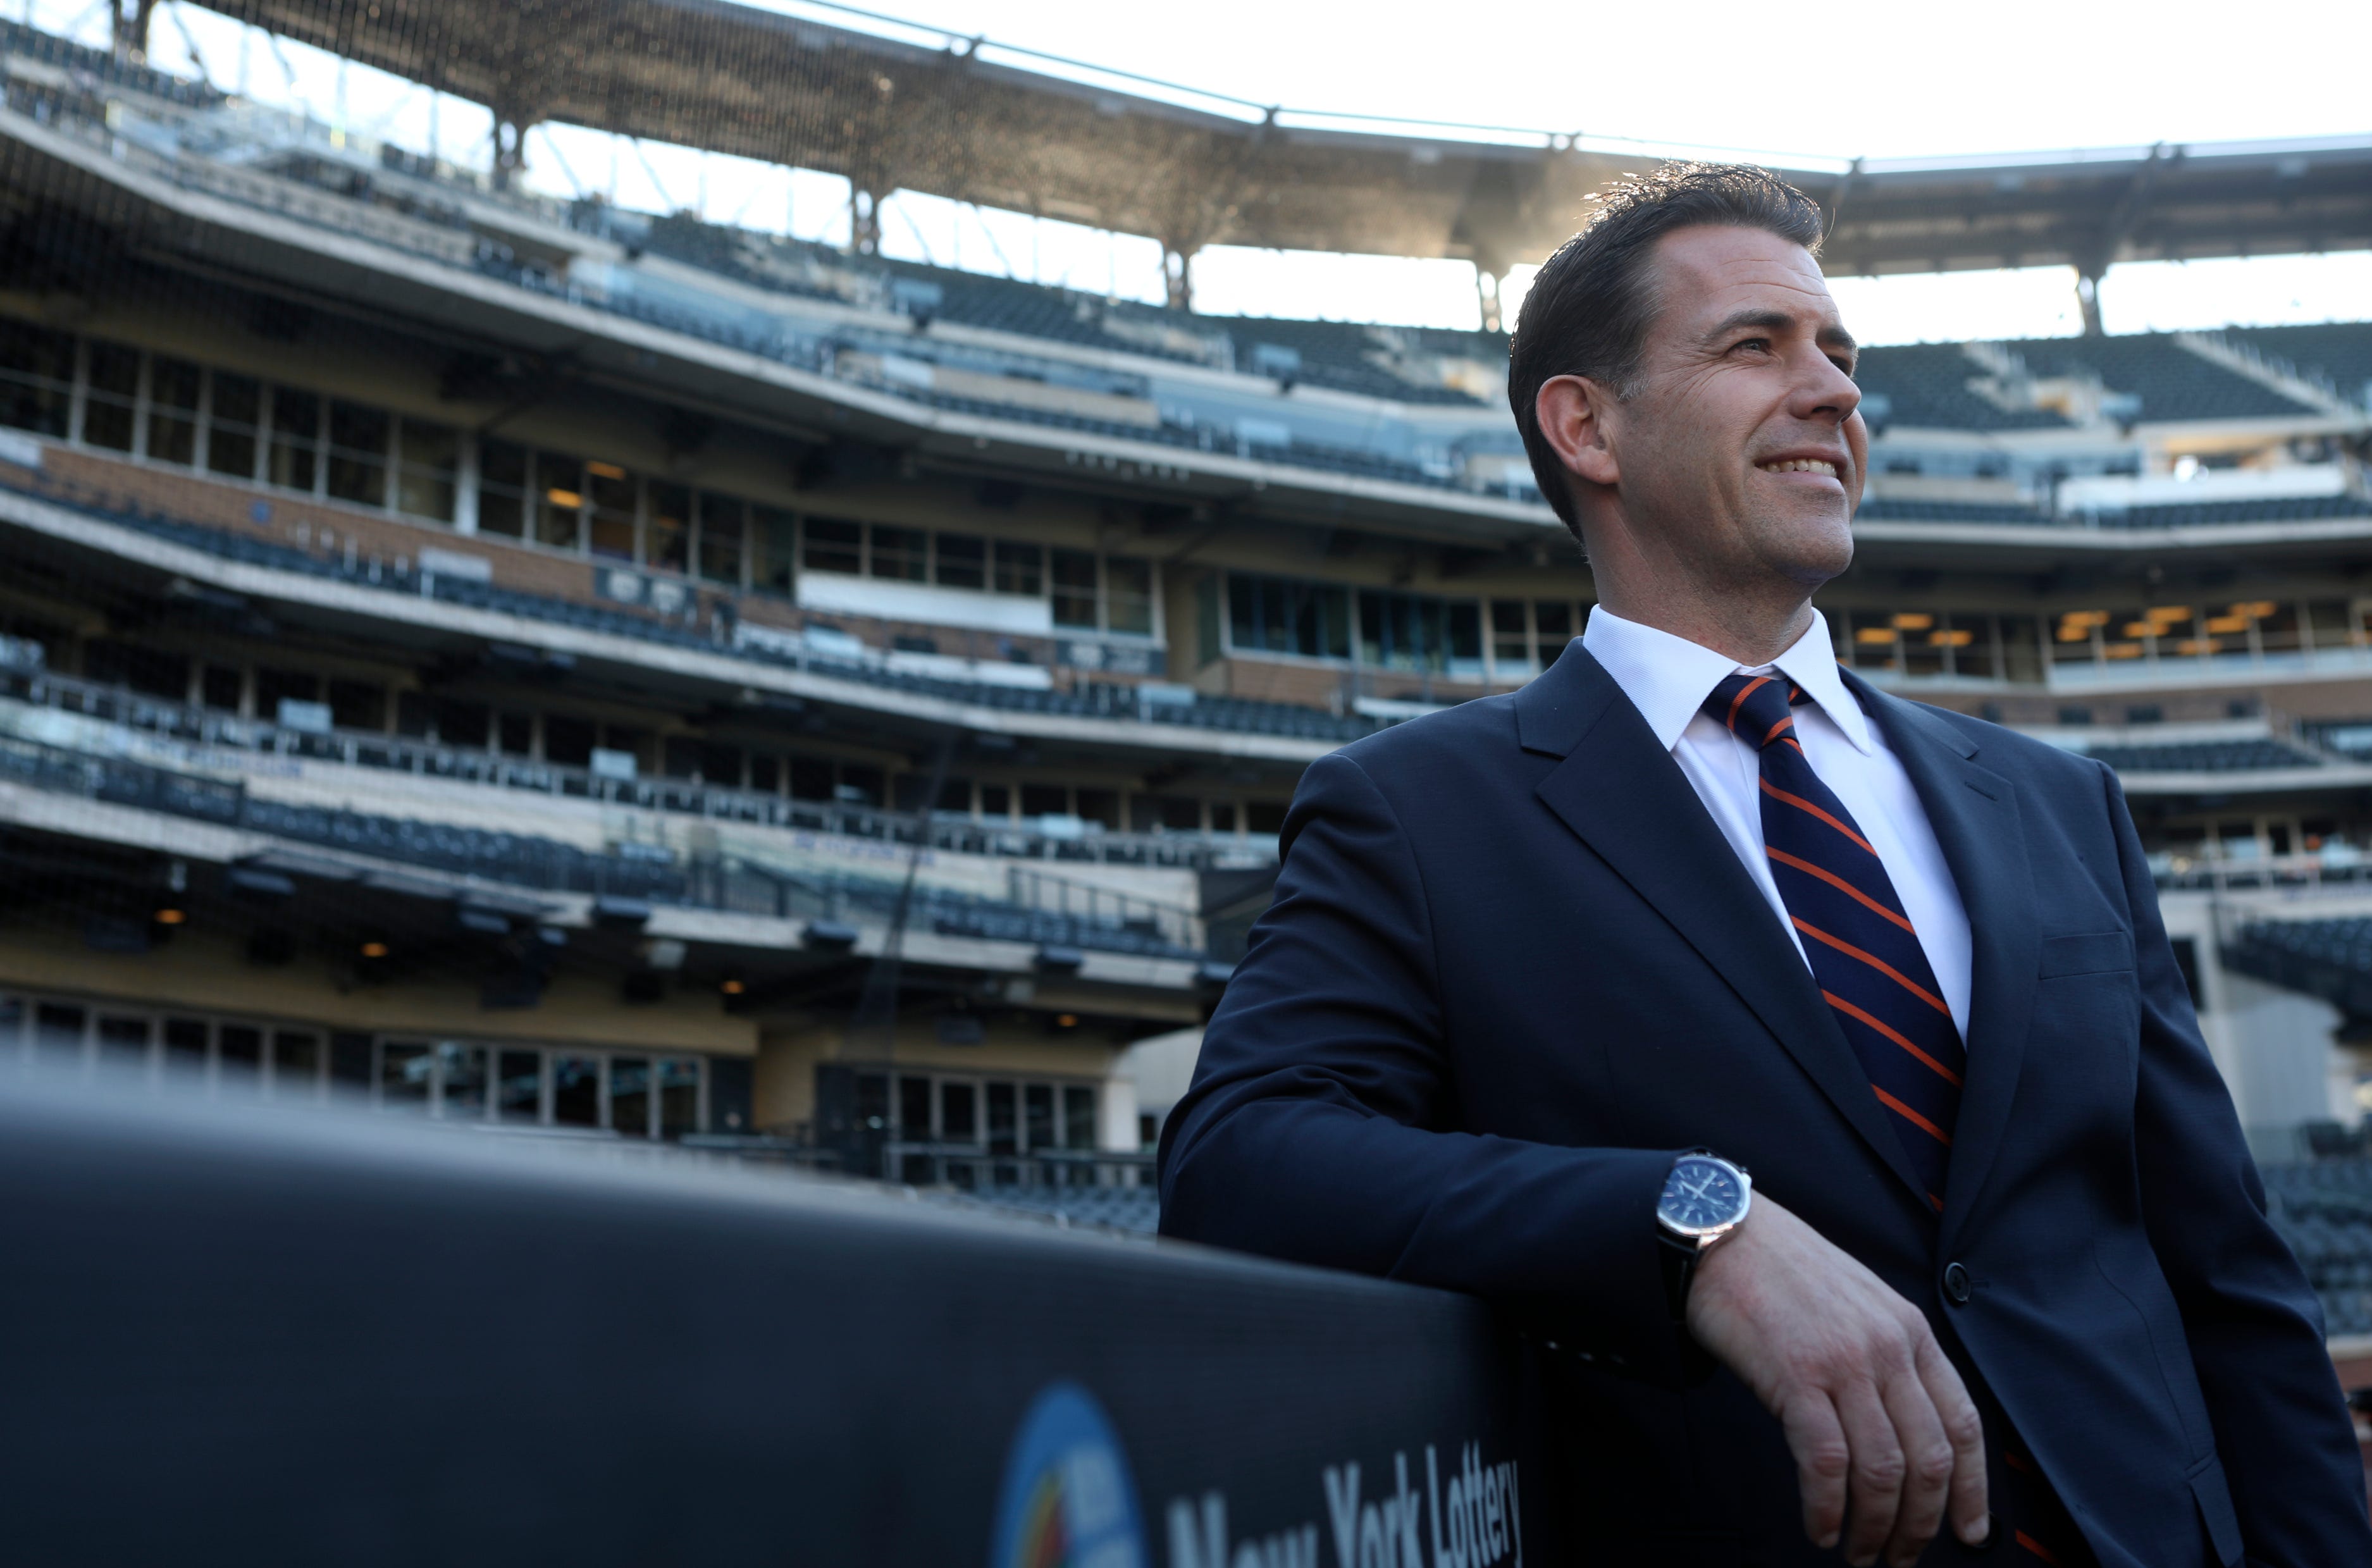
x=1956, y=1284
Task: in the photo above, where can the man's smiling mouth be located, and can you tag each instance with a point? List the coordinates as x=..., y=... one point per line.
x=1800, y=465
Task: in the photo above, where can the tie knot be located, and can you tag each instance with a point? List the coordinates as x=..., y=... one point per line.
x=1755, y=708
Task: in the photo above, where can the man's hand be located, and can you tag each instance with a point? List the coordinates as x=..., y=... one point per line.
x=1871, y=1407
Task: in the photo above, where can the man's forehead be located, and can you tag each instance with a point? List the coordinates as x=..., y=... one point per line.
x=1709, y=274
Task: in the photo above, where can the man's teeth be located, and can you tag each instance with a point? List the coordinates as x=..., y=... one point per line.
x=1801, y=465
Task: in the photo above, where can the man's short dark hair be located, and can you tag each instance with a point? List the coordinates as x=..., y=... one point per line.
x=1587, y=311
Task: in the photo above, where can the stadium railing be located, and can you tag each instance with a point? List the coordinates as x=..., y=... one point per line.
x=225, y=1316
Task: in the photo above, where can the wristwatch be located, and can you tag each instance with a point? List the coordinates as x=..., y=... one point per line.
x=1705, y=1200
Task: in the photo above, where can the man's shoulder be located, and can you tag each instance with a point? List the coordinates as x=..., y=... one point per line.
x=2010, y=752
x=1443, y=734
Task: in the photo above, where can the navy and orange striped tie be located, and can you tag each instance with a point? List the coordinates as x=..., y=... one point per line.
x=1863, y=953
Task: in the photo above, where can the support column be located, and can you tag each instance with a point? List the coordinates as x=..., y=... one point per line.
x=2087, y=298
x=1177, y=275
x=864, y=220
x=510, y=150
x=129, y=21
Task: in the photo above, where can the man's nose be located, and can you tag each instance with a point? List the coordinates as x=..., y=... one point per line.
x=1824, y=391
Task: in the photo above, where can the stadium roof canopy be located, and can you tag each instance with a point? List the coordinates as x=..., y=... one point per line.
x=890, y=114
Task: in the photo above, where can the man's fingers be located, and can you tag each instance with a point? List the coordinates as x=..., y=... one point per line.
x=1965, y=1430
x=1875, y=1478
x=1929, y=1460
x=1822, y=1459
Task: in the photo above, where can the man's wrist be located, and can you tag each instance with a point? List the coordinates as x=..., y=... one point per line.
x=1703, y=1202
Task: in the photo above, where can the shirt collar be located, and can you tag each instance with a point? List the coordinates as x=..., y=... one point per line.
x=1668, y=678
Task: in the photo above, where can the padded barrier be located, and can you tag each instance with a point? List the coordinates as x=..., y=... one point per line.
x=242, y=1336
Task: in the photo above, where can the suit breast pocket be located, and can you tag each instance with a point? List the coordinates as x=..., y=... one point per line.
x=2085, y=1029
x=2085, y=952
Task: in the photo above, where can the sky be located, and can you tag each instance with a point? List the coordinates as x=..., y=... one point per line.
x=1876, y=81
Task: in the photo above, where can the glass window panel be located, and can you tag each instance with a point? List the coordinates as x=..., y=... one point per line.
x=576, y=1091
x=430, y=475
x=1074, y=587
x=959, y=1118
x=679, y=1098
x=1244, y=627
x=1045, y=800
x=233, y=420
x=1465, y=631
x=36, y=378
x=2331, y=623
x=1078, y=1116
x=914, y=1110
x=1554, y=618
x=559, y=502
x=1275, y=616
x=630, y=1097
x=1128, y=594
x=114, y=385
x=610, y=511
x=123, y=1040
x=57, y=1029
x=962, y=560
x=296, y=1063
x=1003, y=1131
x=238, y=1057
x=901, y=554
x=405, y=1069
x=832, y=545
x=2021, y=647
x=863, y=782
x=720, y=539
x=186, y=1041
x=775, y=532
x=1020, y=568
x=519, y=1086
x=461, y=1081
x=220, y=685
x=1511, y=638
x=296, y=439
x=502, y=488
x=811, y=778
x=358, y=705
x=173, y=410
x=1101, y=806
x=358, y=452
x=1038, y=1114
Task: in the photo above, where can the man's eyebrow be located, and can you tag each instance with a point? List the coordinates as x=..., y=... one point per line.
x=1832, y=335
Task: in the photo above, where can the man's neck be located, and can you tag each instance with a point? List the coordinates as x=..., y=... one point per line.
x=1746, y=633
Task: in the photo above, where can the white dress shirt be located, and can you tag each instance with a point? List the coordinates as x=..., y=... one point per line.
x=1667, y=679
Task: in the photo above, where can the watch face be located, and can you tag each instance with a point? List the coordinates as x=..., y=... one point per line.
x=1701, y=1195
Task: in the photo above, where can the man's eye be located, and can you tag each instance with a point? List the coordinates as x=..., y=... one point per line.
x=1758, y=344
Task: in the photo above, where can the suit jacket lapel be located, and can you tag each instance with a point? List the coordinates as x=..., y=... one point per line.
x=1975, y=816
x=1625, y=798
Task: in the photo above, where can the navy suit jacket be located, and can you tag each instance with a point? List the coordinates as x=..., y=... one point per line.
x=1512, y=968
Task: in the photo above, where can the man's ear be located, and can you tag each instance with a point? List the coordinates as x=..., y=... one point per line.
x=1572, y=412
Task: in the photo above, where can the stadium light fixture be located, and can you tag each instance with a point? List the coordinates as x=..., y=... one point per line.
x=169, y=916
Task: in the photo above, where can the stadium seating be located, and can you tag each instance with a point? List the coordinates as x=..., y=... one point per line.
x=2281, y=509
x=2204, y=757
x=2172, y=382
x=548, y=865
x=2323, y=1209
x=1927, y=388
x=1092, y=701
x=2339, y=352
x=1884, y=510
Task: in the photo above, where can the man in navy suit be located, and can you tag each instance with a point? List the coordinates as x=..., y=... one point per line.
x=1810, y=1063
